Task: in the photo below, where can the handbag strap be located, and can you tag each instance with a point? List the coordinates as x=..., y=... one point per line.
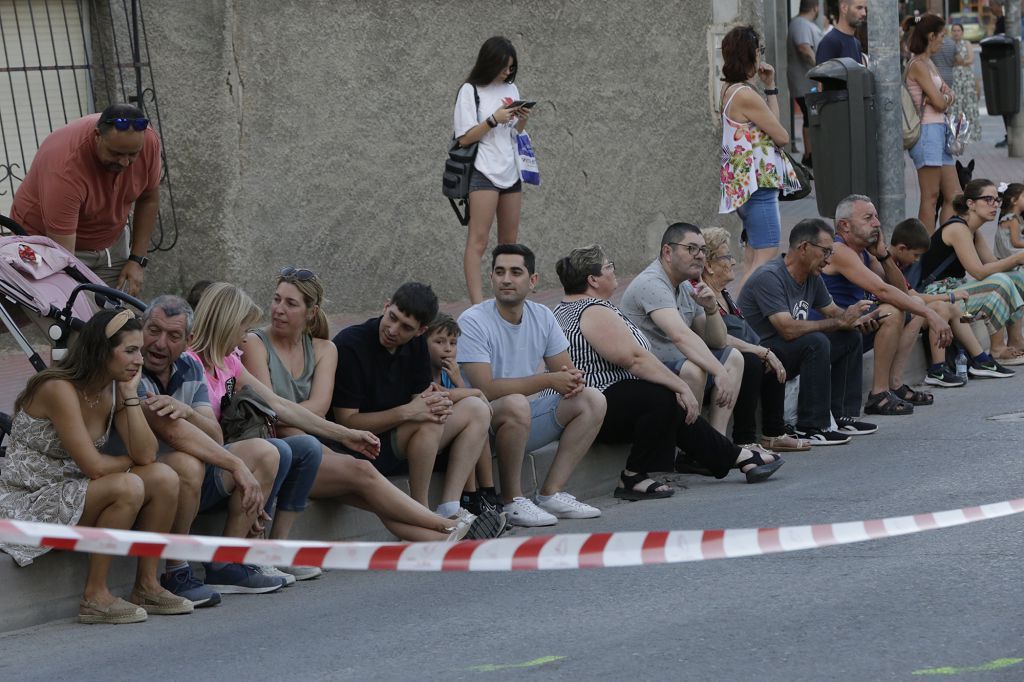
x=906, y=71
x=934, y=274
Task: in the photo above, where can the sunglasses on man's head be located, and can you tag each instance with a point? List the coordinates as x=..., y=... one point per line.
x=139, y=124
x=300, y=274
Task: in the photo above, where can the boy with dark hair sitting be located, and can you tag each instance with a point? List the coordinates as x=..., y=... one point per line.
x=442, y=342
x=908, y=243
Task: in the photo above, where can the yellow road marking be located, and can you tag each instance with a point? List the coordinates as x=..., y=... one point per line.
x=997, y=664
x=491, y=667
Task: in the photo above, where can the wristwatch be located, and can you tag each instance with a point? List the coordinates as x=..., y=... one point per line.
x=882, y=259
x=771, y=91
x=141, y=260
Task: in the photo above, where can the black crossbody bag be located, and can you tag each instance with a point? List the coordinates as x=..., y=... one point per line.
x=458, y=169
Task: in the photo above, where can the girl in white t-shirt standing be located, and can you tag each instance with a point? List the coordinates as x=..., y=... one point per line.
x=495, y=188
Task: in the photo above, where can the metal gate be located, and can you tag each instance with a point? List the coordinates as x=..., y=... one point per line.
x=64, y=59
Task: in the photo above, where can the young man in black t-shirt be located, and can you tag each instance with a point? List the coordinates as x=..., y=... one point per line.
x=384, y=384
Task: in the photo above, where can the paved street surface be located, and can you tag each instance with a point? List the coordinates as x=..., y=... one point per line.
x=877, y=610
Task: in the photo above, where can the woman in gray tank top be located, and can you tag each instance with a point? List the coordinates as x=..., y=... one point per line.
x=294, y=356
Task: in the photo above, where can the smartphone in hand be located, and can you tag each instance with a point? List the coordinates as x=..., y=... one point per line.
x=519, y=103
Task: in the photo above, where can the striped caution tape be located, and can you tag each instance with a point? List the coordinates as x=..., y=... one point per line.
x=542, y=552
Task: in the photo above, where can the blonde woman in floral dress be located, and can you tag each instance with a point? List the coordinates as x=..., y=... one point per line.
x=965, y=88
x=754, y=170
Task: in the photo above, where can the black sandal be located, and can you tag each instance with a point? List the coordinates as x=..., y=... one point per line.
x=763, y=470
x=887, y=403
x=913, y=397
x=651, y=492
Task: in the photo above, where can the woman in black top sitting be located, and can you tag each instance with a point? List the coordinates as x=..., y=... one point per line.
x=648, y=404
x=958, y=249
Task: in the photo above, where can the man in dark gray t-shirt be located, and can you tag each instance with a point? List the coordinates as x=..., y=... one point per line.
x=825, y=353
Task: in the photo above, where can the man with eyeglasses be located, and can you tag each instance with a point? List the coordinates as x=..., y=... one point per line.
x=860, y=268
x=826, y=353
x=85, y=180
x=682, y=323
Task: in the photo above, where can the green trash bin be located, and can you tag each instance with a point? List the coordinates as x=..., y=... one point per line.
x=1000, y=71
x=841, y=118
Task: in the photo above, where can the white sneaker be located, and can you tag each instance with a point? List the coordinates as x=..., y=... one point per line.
x=523, y=512
x=301, y=572
x=565, y=506
x=272, y=572
x=461, y=523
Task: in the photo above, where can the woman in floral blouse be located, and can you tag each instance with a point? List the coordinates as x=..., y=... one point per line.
x=754, y=170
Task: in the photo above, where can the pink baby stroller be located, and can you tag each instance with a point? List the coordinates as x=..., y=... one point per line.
x=42, y=283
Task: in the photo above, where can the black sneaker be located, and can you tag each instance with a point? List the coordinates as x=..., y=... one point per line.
x=823, y=437
x=471, y=502
x=943, y=377
x=489, y=499
x=487, y=525
x=988, y=369
x=850, y=425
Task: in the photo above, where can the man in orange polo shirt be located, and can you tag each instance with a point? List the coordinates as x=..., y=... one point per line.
x=83, y=183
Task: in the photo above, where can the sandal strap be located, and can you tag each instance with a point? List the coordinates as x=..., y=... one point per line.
x=630, y=482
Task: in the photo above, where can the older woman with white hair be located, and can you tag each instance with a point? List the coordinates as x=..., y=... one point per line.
x=764, y=377
x=649, y=406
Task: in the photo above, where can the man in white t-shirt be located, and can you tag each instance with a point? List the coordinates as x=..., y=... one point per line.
x=504, y=342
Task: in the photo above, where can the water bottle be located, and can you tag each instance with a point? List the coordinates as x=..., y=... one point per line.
x=961, y=364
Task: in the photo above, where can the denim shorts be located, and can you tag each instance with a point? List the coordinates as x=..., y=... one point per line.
x=720, y=354
x=544, y=426
x=930, y=149
x=213, y=493
x=480, y=181
x=761, y=221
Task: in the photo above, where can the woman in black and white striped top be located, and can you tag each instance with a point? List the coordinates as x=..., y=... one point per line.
x=648, y=405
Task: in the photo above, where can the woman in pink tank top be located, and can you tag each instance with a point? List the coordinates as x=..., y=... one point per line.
x=932, y=159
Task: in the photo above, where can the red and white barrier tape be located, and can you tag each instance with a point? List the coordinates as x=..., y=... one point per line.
x=540, y=552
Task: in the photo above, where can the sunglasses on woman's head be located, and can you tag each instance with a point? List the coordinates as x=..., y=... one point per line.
x=300, y=274
x=122, y=124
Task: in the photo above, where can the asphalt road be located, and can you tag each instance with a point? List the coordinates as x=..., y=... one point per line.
x=940, y=604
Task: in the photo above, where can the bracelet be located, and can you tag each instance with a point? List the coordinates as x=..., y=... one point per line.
x=491, y=121
x=771, y=91
x=126, y=402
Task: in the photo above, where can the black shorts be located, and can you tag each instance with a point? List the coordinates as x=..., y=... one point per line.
x=802, y=103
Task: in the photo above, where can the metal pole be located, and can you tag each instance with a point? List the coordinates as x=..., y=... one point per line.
x=1015, y=131
x=884, y=51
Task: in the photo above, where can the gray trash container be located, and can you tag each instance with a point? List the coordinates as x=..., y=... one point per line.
x=1000, y=70
x=841, y=118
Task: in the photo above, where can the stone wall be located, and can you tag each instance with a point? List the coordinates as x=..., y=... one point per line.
x=312, y=132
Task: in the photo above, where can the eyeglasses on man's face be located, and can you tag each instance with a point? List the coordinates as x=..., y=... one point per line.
x=693, y=249
x=826, y=251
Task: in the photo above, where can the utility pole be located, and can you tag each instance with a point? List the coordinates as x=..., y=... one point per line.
x=1015, y=131
x=884, y=51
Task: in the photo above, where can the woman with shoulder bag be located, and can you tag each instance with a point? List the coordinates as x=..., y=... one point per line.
x=754, y=169
x=222, y=319
x=494, y=188
x=934, y=163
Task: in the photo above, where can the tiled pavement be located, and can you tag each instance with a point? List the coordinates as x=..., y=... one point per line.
x=991, y=163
